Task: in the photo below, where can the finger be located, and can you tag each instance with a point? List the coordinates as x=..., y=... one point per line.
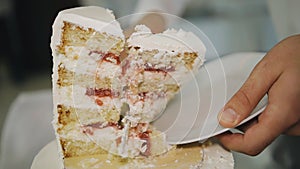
x=248, y=125
x=248, y=96
x=256, y=138
x=277, y=118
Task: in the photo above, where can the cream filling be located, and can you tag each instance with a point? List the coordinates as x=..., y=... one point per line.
x=108, y=138
x=179, y=75
x=76, y=134
x=173, y=77
x=80, y=61
x=75, y=96
x=147, y=109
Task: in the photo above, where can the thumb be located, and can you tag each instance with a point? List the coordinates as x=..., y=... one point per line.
x=247, y=97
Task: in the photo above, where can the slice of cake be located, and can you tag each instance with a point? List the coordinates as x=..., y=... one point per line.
x=85, y=42
x=91, y=83
x=156, y=67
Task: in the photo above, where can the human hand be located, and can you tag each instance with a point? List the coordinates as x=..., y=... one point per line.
x=278, y=75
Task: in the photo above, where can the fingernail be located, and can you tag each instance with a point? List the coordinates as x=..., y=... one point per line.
x=229, y=116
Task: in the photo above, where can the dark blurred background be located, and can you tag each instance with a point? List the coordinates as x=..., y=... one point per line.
x=25, y=29
x=25, y=32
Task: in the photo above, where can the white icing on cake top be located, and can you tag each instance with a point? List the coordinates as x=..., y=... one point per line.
x=170, y=40
x=98, y=18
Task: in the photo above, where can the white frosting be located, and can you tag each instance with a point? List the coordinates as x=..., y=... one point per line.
x=148, y=109
x=88, y=64
x=75, y=96
x=130, y=146
x=170, y=40
x=76, y=135
x=98, y=18
x=177, y=76
x=113, y=73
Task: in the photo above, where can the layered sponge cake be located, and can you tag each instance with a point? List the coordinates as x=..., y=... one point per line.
x=92, y=83
x=156, y=67
x=78, y=59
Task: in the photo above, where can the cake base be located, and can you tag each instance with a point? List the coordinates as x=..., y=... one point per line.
x=187, y=156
